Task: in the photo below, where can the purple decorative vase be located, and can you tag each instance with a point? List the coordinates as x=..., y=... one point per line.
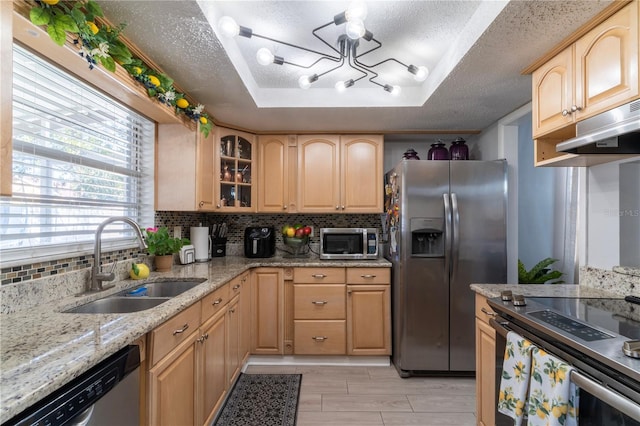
x=410, y=154
x=438, y=151
x=459, y=150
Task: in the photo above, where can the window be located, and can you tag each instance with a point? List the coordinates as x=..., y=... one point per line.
x=78, y=158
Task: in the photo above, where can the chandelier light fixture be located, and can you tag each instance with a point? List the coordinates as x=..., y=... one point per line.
x=356, y=42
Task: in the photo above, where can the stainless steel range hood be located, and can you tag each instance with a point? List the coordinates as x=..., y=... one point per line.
x=616, y=131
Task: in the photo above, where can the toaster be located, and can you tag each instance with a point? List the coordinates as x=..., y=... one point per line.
x=187, y=254
x=259, y=241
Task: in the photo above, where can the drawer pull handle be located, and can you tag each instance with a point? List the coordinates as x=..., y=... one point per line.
x=217, y=301
x=319, y=302
x=235, y=287
x=181, y=330
x=368, y=276
x=491, y=314
x=318, y=275
x=319, y=338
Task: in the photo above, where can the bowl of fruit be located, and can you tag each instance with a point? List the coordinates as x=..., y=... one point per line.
x=296, y=237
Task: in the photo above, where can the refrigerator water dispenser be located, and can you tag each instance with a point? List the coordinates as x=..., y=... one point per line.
x=427, y=237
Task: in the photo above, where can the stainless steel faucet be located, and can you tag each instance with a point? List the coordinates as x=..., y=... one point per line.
x=96, y=275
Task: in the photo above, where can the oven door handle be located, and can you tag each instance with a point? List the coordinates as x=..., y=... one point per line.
x=604, y=394
x=601, y=392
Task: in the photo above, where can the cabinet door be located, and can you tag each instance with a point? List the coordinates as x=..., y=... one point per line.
x=213, y=379
x=607, y=63
x=233, y=340
x=485, y=373
x=172, y=386
x=318, y=174
x=368, y=320
x=273, y=182
x=361, y=174
x=176, y=168
x=552, y=93
x=245, y=316
x=235, y=171
x=267, y=311
x=205, y=173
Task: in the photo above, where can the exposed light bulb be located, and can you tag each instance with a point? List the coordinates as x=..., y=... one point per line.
x=264, y=56
x=305, y=81
x=394, y=90
x=356, y=10
x=355, y=29
x=419, y=73
x=341, y=86
x=228, y=26
x=422, y=73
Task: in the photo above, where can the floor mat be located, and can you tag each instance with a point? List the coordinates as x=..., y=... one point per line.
x=262, y=400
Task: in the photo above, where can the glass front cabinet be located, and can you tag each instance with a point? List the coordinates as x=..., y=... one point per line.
x=236, y=171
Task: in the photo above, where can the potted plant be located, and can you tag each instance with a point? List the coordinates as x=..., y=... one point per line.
x=540, y=273
x=163, y=246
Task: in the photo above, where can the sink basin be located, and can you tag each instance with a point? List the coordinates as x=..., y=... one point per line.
x=117, y=305
x=167, y=288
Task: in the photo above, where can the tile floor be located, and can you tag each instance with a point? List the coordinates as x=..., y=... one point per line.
x=377, y=396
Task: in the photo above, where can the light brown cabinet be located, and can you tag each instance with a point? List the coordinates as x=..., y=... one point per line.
x=485, y=364
x=235, y=170
x=197, y=355
x=596, y=73
x=267, y=311
x=339, y=174
x=277, y=174
x=342, y=311
x=185, y=169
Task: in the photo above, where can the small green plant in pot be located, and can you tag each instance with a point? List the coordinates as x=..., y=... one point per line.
x=161, y=245
x=540, y=273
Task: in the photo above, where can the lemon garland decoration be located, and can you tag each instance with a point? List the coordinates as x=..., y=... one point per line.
x=102, y=44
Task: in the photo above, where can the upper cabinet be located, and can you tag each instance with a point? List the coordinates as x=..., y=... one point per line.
x=339, y=174
x=276, y=183
x=185, y=169
x=596, y=73
x=235, y=171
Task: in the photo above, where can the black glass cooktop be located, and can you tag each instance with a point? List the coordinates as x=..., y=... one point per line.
x=616, y=315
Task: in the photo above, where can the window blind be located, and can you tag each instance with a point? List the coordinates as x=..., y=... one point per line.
x=79, y=157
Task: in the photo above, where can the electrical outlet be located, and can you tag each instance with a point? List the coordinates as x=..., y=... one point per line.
x=313, y=231
x=177, y=232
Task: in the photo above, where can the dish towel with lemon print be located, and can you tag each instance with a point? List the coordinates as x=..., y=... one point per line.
x=553, y=397
x=515, y=377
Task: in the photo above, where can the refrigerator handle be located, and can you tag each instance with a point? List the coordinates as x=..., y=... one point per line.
x=447, y=233
x=455, y=253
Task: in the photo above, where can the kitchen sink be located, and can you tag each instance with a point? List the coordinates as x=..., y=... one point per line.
x=165, y=288
x=140, y=298
x=118, y=305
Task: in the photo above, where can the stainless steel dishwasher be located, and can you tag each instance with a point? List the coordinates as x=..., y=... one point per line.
x=106, y=395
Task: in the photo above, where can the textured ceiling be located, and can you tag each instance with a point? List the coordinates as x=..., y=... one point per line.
x=475, y=51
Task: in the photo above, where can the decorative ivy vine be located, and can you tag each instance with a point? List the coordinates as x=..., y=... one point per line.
x=101, y=44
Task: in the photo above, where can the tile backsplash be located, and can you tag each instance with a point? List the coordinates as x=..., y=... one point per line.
x=236, y=223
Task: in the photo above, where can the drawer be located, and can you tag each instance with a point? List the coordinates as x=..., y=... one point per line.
x=319, y=337
x=368, y=275
x=483, y=311
x=319, y=301
x=319, y=275
x=174, y=331
x=215, y=301
x=237, y=284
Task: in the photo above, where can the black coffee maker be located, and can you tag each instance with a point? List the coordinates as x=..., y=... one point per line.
x=259, y=241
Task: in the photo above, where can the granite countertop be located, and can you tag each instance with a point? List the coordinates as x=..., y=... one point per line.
x=42, y=348
x=548, y=290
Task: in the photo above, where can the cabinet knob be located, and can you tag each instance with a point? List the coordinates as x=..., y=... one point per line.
x=342, y=207
x=232, y=310
x=337, y=207
x=575, y=108
x=565, y=112
x=201, y=203
x=284, y=207
x=235, y=287
x=218, y=205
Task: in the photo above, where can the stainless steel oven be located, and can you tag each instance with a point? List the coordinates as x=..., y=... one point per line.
x=589, y=334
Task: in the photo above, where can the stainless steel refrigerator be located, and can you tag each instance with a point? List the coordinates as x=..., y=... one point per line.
x=446, y=228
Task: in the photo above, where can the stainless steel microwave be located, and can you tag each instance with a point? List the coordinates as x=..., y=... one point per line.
x=348, y=243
